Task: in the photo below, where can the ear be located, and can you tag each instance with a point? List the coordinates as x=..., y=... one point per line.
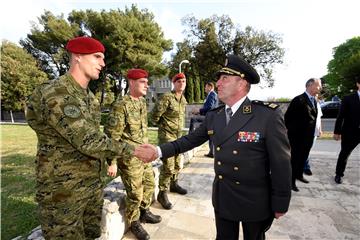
x=77, y=57
x=131, y=82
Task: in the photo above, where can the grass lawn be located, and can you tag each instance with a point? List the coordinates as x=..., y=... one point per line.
x=18, y=206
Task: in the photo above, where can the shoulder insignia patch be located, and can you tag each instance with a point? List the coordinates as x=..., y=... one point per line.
x=113, y=121
x=72, y=111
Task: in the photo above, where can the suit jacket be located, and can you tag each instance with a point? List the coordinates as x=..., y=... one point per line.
x=251, y=163
x=300, y=118
x=348, y=119
x=210, y=103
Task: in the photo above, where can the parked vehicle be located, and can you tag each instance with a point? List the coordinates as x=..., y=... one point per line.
x=330, y=109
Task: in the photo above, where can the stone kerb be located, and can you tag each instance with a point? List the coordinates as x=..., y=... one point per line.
x=113, y=224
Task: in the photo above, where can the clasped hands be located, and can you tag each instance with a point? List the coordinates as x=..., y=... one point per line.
x=146, y=152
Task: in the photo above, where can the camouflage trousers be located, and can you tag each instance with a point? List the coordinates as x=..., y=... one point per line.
x=169, y=172
x=73, y=219
x=139, y=182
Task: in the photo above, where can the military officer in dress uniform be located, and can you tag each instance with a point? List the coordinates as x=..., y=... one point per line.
x=252, y=182
x=71, y=149
x=128, y=123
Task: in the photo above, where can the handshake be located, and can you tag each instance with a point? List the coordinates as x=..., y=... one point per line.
x=146, y=152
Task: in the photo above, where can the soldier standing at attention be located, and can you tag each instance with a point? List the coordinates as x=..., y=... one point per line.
x=128, y=123
x=252, y=183
x=71, y=149
x=169, y=115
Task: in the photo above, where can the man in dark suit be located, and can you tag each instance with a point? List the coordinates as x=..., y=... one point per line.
x=211, y=102
x=347, y=128
x=300, y=121
x=252, y=182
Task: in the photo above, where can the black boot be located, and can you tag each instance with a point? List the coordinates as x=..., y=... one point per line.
x=148, y=217
x=174, y=187
x=163, y=200
x=139, y=231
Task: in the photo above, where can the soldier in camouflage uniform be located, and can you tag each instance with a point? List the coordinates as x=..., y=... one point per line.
x=128, y=123
x=71, y=149
x=169, y=115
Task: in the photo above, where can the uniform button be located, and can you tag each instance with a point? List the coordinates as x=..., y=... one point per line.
x=235, y=152
x=236, y=168
x=219, y=163
x=238, y=183
x=217, y=148
x=220, y=177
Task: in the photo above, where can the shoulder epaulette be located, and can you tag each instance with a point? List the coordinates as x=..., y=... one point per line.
x=265, y=104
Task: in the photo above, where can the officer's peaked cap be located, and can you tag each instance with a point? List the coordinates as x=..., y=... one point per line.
x=237, y=66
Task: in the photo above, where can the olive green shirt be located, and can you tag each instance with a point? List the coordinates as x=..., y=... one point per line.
x=169, y=115
x=128, y=121
x=71, y=148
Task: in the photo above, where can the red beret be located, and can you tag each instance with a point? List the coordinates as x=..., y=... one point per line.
x=84, y=45
x=178, y=76
x=137, y=73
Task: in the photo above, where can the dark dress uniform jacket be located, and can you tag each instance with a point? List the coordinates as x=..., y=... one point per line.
x=252, y=160
x=300, y=119
x=348, y=120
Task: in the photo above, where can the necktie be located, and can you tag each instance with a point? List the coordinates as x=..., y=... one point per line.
x=228, y=115
x=312, y=100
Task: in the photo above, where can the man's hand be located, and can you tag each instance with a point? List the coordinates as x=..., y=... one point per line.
x=146, y=152
x=337, y=137
x=112, y=170
x=278, y=215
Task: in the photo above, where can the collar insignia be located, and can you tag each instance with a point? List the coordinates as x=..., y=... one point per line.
x=247, y=109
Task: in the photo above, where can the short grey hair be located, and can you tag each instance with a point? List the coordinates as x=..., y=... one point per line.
x=311, y=82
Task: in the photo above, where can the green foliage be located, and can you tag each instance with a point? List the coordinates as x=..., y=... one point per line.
x=184, y=52
x=209, y=40
x=19, y=76
x=261, y=49
x=202, y=91
x=197, y=94
x=189, y=90
x=47, y=42
x=344, y=68
x=132, y=39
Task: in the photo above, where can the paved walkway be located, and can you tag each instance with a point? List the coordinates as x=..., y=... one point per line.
x=321, y=210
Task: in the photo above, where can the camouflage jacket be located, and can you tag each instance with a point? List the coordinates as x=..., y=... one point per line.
x=128, y=121
x=169, y=115
x=71, y=148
